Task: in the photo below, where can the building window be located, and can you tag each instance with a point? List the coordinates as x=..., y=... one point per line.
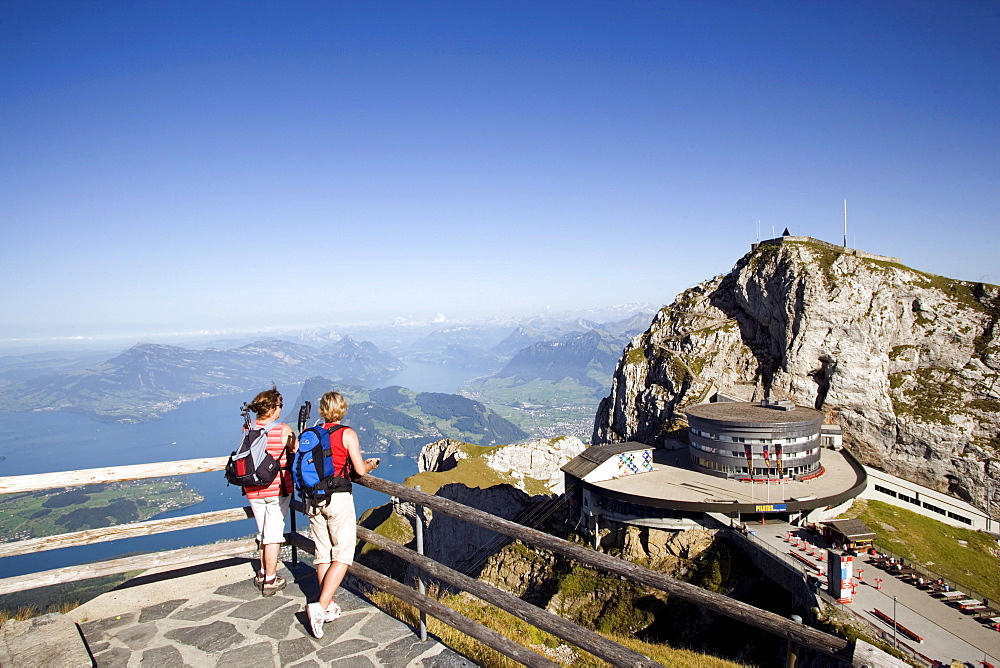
x=929, y=506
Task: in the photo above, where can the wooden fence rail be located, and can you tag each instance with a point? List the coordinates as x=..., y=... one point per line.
x=120, y=531
x=596, y=644
x=762, y=619
x=456, y=620
x=141, y=562
x=39, y=481
x=748, y=614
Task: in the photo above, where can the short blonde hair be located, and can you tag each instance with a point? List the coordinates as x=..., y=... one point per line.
x=332, y=406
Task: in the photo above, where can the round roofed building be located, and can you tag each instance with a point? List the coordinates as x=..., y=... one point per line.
x=765, y=442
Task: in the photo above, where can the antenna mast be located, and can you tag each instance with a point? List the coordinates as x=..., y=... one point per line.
x=845, y=223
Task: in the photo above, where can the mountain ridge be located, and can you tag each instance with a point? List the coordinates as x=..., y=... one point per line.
x=148, y=379
x=908, y=363
x=399, y=421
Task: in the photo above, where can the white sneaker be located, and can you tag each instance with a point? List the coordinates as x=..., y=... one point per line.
x=316, y=616
x=333, y=612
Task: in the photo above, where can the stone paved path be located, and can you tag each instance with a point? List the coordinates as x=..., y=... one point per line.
x=216, y=617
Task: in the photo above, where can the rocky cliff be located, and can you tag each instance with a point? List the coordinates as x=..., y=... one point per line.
x=906, y=362
x=506, y=481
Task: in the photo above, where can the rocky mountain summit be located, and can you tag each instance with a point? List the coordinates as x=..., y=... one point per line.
x=907, y=362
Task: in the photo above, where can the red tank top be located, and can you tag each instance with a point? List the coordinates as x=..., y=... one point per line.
x=338, y=451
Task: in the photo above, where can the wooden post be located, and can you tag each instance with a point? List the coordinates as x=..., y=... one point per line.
x=421, y=586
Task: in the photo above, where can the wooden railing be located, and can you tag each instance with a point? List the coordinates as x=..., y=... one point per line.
x=594, y=643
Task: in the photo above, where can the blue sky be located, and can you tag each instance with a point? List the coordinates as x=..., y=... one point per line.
x=181, y=166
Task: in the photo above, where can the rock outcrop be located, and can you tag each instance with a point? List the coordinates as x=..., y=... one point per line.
x=662, y=548
x=441, y=456
x=505, y=481
x=908, y=363
x=539, y=460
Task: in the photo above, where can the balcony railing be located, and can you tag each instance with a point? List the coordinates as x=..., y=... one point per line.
x=590, y=641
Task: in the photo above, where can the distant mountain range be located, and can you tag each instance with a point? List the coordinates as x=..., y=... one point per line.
x=574, y=367
x=589, y=358
x=396, y=420
x=148, y=379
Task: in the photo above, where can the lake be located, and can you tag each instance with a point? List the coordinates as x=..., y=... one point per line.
x=45, y=442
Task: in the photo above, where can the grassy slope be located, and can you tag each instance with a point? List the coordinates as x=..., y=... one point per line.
x=531, y=637
x=473, y=472
x=936, y=545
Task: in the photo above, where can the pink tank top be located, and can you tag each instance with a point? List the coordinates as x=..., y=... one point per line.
x=282, y=483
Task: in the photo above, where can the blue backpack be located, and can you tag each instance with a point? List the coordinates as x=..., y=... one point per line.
x=317, y=472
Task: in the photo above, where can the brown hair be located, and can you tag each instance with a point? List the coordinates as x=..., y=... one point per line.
x=264, y=403
x=332, y=406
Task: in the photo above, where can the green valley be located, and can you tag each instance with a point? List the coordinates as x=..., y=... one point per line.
x=50, y=512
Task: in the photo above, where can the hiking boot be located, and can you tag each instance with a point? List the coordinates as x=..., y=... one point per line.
x=258, y=580
x=333, y=612
x=273, y=587
x=316, y=616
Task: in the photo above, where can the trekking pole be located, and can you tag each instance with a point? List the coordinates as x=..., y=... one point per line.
x=304, y=411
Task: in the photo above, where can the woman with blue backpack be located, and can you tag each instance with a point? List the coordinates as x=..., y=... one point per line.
x=270, y=502
x=328, y=458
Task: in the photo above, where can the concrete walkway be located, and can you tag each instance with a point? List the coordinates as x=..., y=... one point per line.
x=947, y=633
x=213, y=615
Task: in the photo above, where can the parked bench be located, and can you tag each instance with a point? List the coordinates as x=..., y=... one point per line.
x=899, y=627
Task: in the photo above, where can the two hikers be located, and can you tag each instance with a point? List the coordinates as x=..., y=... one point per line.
x=330, y=456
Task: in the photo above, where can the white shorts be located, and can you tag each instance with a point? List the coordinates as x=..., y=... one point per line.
x=270, y=514
x=334, y=529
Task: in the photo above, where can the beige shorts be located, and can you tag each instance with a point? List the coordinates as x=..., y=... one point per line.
x=270, y=514
x=334, y=529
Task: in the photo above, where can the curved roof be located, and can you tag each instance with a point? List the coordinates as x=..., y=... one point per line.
x=748, y=414
x=673, y=484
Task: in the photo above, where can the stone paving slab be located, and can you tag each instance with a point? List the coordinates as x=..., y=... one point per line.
x=217, y=617
x=46, y=640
